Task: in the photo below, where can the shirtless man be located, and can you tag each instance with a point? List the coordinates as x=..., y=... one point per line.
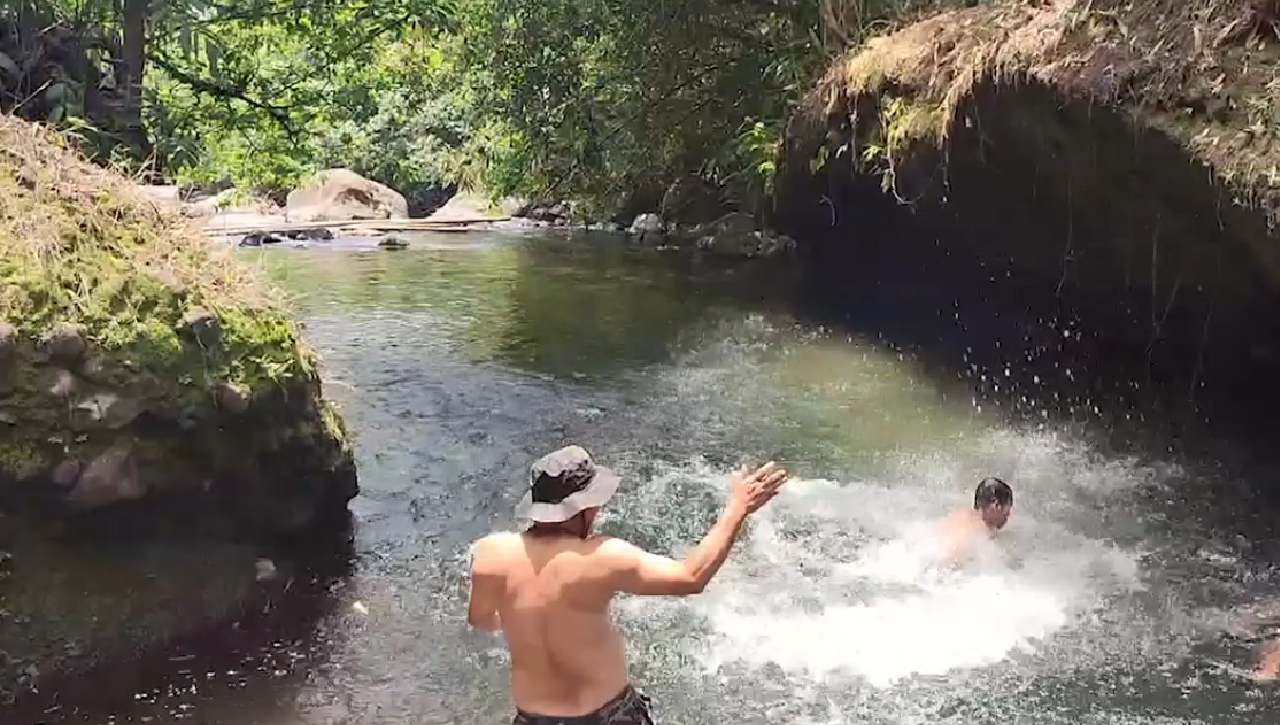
x=992, y=505
x=1260, y=621
x=548, y=589
x=1267, y=670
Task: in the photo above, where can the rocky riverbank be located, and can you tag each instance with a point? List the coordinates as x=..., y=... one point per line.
x=339, y=202
x=152, y=390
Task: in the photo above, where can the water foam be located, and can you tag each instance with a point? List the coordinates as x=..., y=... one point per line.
x=839, y=579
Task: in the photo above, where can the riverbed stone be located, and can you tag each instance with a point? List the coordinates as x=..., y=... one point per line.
x=111, y=477
x=648, y=225
x=231, y=398
x=64, y=342
x=66, y=473
x=8, y=342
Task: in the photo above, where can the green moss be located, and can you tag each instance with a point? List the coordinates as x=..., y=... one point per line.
x=82, y=245
x=23, y=458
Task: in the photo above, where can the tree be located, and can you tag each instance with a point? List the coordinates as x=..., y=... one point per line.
x=83, y=63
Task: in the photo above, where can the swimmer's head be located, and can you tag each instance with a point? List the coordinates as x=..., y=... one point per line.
x=993, y=500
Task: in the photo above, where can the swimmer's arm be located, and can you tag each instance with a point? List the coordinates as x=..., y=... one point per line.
x=486, y=588
x=633, y=570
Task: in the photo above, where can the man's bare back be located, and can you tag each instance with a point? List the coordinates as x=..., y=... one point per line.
x=549, y=589
x=553, y=598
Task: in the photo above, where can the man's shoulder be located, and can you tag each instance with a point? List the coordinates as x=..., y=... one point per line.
x=497, y=544
x=613, y=548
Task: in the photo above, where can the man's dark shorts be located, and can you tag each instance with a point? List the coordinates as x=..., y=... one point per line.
x=630, y=707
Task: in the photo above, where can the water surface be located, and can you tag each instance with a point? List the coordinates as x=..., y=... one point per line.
x=461, y=360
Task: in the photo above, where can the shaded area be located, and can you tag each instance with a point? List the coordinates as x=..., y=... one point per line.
x=1045, y=247
x=176, y=626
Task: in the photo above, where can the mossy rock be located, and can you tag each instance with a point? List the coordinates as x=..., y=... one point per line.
x=128, y=340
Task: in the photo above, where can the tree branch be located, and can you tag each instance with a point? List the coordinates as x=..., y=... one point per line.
x=280, y=114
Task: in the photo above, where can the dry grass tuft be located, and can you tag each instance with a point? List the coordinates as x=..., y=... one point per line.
x=59, y=212
x=1206, y=71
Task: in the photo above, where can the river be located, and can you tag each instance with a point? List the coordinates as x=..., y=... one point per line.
x=462, y=359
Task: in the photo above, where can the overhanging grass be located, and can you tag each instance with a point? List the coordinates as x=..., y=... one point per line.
x=1204, y=68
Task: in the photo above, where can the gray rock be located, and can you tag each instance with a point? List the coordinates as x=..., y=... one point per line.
x=343, y=195
x=731, y=223
x=204, y=325
x=259, y=238
x=91, y=368
x=64, y=342
x=648, y=225
x=8, y=342
x=66, y=473
x=264, y=569
x=735, y=235
x=111, y=410
x=111, y=477
x=230, y=398
x=311, y=235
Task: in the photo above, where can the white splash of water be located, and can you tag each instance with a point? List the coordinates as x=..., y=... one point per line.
x=841, y=579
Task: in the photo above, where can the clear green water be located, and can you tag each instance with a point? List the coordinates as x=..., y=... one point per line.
x=459, y=361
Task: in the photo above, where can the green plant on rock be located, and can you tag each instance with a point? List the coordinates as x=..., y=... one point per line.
x=117, y=309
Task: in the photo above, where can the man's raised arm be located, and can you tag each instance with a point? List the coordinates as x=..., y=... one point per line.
x=635, y=571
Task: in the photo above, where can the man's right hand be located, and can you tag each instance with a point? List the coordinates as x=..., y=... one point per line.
x=754, y=489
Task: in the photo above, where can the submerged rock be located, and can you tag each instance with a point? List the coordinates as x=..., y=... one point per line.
x=259, y=238
x=648, y=225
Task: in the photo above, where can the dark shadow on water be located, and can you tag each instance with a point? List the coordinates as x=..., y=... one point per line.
x=1064, y=267
x=240, y=669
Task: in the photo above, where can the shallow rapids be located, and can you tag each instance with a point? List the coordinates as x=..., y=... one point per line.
x=1104, y=602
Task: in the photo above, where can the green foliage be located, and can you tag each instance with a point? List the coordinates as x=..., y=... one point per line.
x=591, y=100
x=603, y=96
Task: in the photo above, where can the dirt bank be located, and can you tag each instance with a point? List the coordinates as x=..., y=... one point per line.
x=1109, y=170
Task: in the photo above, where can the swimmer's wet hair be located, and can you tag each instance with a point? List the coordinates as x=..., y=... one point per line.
x=992, y=490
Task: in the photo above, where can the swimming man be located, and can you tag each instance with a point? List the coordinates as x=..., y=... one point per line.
x=992, y=505
x=548, y=589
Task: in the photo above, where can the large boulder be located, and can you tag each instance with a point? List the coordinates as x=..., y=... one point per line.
x=152, y=390
x=122, y=332
x=343, y=195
